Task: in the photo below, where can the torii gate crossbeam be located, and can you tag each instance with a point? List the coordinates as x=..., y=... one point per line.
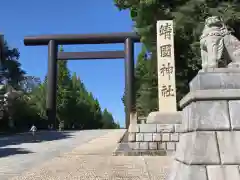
x=53, y=55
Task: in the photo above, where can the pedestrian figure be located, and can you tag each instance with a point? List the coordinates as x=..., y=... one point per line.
x=33, y=130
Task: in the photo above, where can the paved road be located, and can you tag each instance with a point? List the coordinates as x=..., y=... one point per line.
x=19, y=153
x=94, y=161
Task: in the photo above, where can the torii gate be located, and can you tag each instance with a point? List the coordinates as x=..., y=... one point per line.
x=69, y=39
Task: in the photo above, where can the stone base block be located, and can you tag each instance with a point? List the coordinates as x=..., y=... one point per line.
x=164, y=118
x=216, y=78
x=223, y=172
x=181, y=171
x=209, y=148
x=133, y=128
x=137, y=149
x=131, y=137
x=147, y=128
x=229, y=147
x=196, y=148
x=159, y=137
x=152, y=128
x=210, y=95
x=206, y=115
x=124, y=150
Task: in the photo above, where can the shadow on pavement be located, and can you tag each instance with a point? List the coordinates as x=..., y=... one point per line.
x=4, y=152
x=39, y=137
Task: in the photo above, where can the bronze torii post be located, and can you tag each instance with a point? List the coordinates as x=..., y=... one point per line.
x=53, y=55
x=2, y=56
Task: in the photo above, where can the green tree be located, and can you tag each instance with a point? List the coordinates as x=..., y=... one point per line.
x=108, y=120
x=145, y=85
x=63, y=88
x=13, y=72
x=19, y=112
x=37, y=100
x=76, y=107
x=189, y=16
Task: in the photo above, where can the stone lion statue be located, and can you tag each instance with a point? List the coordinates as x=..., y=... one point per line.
x=217, y=45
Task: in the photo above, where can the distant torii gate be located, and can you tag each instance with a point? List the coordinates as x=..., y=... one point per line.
x=53, y=55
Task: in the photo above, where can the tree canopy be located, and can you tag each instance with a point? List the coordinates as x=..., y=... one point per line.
x=77, y=108
x=189, y=17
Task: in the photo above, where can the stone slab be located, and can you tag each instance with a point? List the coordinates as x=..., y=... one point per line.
x=165, y=137
x=143, y=145
x=133, y=128
x=127, y=146
x=171, y=146
x=153, y=145
x=139, y=137
x=228, y=172
x=206, y=115
x=216, y=78
x=157, y=137
x=132, y=145
x=174, y=137
x=131, y=137
x=187, y=115
x=234, y=111
x=162, y=146
x=198, y=148
x=141, y=152
x=164, y=128
x=229, y=147
x=181, y=171
x=178, y=128
x=145, y=128
x=147, y=137
x=164, y=118
x=210, y=95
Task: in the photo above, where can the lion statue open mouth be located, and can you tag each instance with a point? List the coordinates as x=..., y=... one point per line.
x=217, y=44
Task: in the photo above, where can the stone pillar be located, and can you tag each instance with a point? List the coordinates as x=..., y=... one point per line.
x=209, y=148
x=167, y=113
x=166, y=67
x=129, y=82
x=52, y=82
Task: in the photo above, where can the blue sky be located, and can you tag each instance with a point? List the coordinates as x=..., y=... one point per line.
x=104, y=78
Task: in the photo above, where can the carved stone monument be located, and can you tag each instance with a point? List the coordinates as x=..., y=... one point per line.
x=160, y=134
x=166, y=67
x=167, y=113
x=209, y=148
x=167, y=119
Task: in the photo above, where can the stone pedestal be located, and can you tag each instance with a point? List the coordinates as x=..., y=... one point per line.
x=154, y=138
x=164, y=118
x=209, y=148
x=159, y=136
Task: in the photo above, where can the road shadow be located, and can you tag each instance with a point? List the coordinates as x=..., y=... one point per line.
x=39, y=137
x=4, y=152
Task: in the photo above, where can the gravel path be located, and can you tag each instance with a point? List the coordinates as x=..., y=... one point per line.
x=93, y=160
x=19, y=153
